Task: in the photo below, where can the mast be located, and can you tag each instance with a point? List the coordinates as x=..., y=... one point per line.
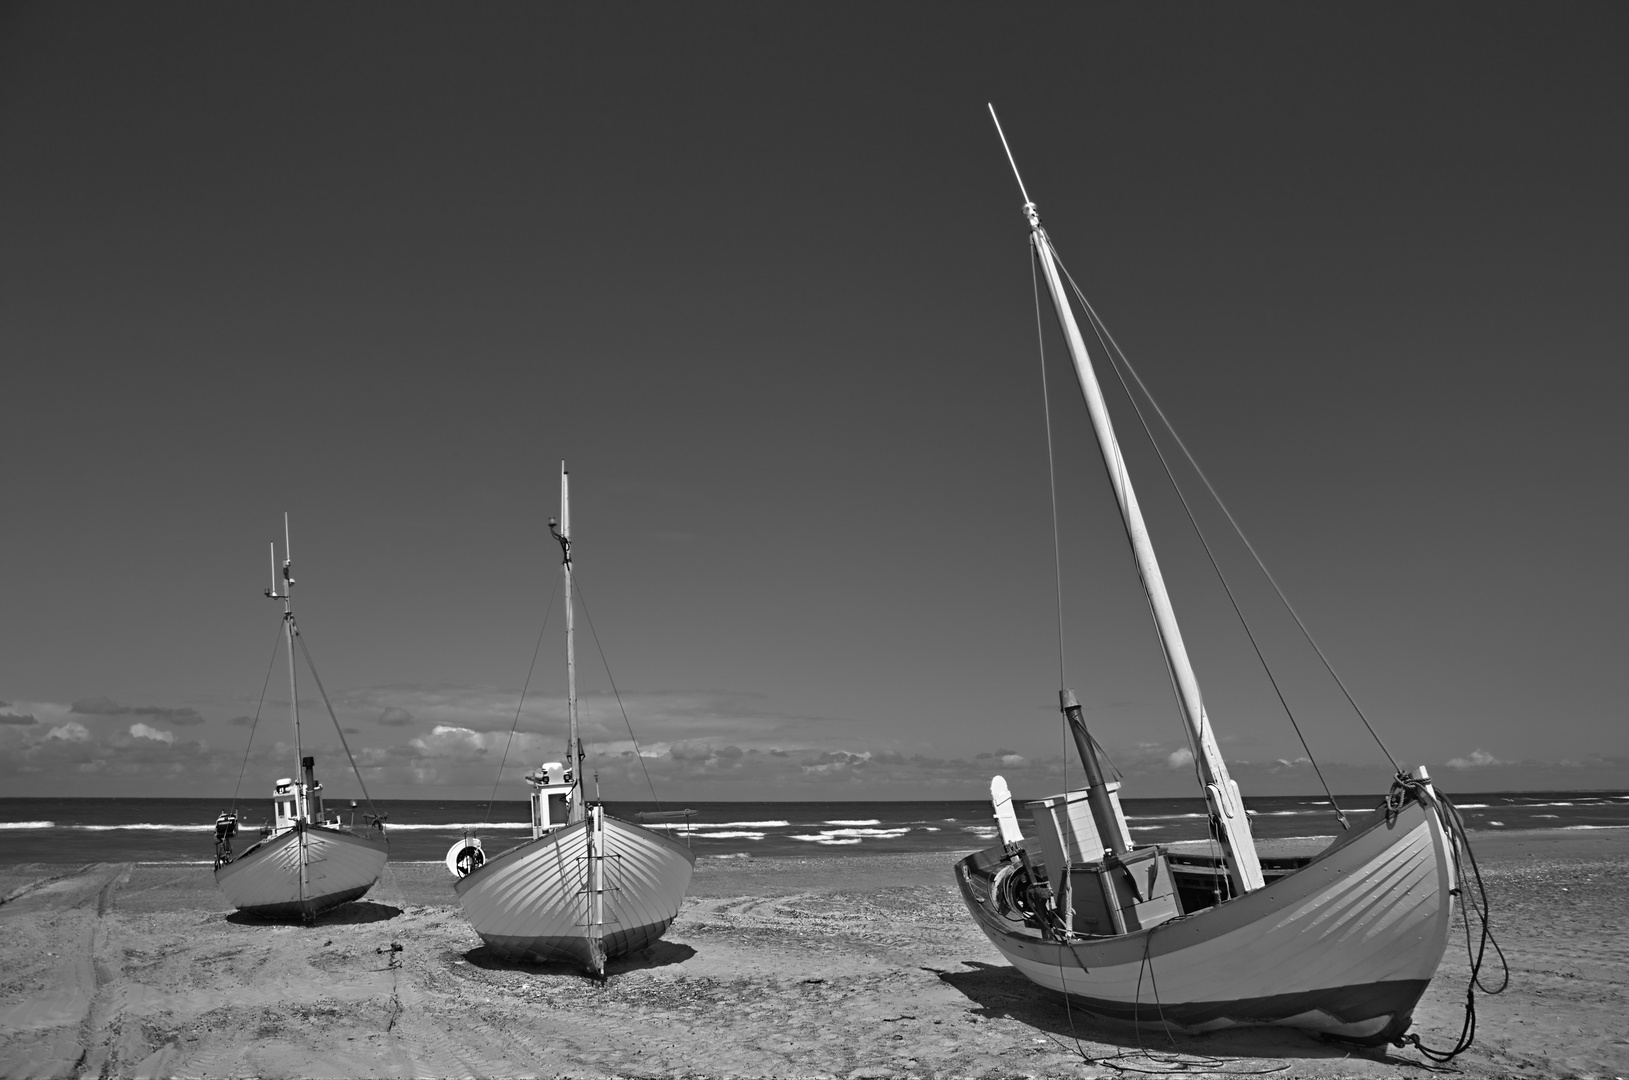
x=574, y=754
x=301, y=794
x=1222, y=794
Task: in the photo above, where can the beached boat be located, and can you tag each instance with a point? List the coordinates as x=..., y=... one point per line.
x=306, y=861
x=587, y=887
x=1342, y=943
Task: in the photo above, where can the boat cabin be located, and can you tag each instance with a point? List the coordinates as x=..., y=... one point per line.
x=551, y=797
x=1100, y=884
x=293, y=802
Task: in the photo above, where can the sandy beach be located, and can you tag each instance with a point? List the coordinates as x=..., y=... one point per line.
x=846, y=966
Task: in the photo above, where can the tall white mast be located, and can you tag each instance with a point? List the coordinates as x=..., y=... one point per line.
x=562, y=533
x=302, y=797
x=1227, y=808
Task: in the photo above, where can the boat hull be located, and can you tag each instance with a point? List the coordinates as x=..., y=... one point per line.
x=339, y=866
x=532, y=903
x=1344, y=946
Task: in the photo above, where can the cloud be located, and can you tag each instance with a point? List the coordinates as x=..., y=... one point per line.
x=394, y=716
x=1180, y=758
x=142, y=731
x=72, y=731
x=1478, y=759
x=105, y=706
x=17, y=721
x=689, y=751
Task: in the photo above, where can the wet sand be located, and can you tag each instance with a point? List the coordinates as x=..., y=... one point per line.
x=843, y=966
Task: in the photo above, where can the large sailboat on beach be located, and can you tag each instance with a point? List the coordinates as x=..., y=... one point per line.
x=306, y=861
x=587, y=887
x=1342, y=943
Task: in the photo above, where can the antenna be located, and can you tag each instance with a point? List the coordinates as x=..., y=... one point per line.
x=272, y=551
x=1008, y=149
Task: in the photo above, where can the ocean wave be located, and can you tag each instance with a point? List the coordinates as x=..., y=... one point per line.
x=739, y=824
x=856, y=835
x=1595, y=826
x=830, y=841
x=146, y=827
x=743, y=835
x=1162, y=817
x=28, y=824
x=864, y=821
x=460, y=826
x=1472, y=805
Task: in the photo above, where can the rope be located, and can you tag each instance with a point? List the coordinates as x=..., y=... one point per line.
x=536, y=651
x=607, y=664
x=1051, y=469
x=255, y=723
x=374, y=810
x=1475, y=954
x=1104, y=338
x=1114, y=346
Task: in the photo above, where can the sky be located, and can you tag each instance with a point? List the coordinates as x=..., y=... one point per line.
x=759, y=275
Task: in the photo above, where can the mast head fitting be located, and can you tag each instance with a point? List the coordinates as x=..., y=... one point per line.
x=1032, y=215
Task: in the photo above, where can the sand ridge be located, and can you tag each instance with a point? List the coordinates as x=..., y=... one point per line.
x=846, y=966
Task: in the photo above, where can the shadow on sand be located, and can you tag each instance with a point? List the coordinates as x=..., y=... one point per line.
x=354, y=913
x=1000, y=991
x=661, y=954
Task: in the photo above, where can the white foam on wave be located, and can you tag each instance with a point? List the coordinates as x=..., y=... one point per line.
x=1162, y=817
x=862, y=821
x=28, y=824
x=850, y=836
x=985, y=831
x=1472, y=805
x=740, y=824
x=1595, y=826
x=829, y=840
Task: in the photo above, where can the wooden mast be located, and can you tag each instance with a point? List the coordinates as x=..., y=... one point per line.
x=574, y=756
x=1226, y=806
x=301, y=795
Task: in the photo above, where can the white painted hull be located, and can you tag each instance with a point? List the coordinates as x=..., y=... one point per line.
x=301, y=873
x=532, y=903
x=1344, y=946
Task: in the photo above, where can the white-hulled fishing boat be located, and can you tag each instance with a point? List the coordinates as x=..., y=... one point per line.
x=1343, y=943
x=587, y=887
x=306, y=862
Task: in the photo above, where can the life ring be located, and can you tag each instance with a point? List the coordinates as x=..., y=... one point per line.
x=465, y=857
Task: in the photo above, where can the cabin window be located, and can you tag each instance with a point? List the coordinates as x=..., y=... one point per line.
x=557, y=809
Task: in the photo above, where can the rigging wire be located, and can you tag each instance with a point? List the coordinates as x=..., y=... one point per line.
x=1114, y=347
x=1103, y=337
x=536, y=651
x=617, y=694
x=311, y=667
x=1051, y=467
x=255, y=723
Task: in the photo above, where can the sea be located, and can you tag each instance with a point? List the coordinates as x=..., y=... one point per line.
x=86, y=830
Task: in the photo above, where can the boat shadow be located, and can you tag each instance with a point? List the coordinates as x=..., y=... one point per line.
x=661, y=954
x=1000, y=991
x=355, y=913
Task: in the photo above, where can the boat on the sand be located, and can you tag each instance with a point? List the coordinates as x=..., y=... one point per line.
x=1342, y=943
x=306, y=861
x=587, y=887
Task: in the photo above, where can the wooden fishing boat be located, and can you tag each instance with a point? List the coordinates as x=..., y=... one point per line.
x=306, y=861
x=1343, y=943
x=587, y=887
